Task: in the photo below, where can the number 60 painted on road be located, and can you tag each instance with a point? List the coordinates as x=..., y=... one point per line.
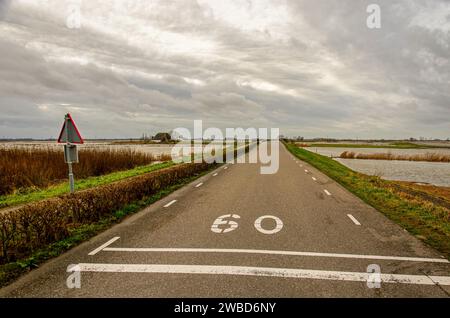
x=230, y=225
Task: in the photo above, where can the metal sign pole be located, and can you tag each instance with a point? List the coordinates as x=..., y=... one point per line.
x=70, y=136
x=71, y=179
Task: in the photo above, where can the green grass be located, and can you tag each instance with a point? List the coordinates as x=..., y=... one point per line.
x=427, y=221
x=31, y=195
x=396, y=145
x=11, y=271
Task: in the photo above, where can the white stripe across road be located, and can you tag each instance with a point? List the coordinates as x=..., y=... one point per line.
x=306, y=171
x=262, y=271
x=272, y=252
x=199, y=185
x=170, y=203
x=353, y=219
x=215, y=175
x=104, y=245
x=314, y=179
x=327, y=192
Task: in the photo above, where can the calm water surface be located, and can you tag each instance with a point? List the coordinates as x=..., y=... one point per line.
x=437, y=173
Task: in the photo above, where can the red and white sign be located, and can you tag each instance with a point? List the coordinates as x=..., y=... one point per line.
x=70, y=134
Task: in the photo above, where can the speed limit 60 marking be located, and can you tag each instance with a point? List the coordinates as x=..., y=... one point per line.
x=221, y=225
x=229, y=225
x=276, y=229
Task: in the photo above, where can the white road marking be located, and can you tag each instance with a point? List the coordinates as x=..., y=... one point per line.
x=262, y=271
x=306, y=171
x=199, y=185
x=215, y=175
x=227, y=225
x=327, y=192
x=353, y=219
x=98, y=249
x=314, y=178
x=272, y=252
x=170, y=203
x=278, y=227
x=225, y=168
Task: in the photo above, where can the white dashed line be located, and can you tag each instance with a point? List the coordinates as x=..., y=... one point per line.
x=215, y=175
x=199, y=185
x=104, y=245
x=314, y=179
x=327, y=192
x=170, y=203
x=353, y=219
x=225, y=168
x=262, y=271
x=306, y=171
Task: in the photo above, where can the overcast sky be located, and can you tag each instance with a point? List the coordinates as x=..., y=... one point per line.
x=311, y=68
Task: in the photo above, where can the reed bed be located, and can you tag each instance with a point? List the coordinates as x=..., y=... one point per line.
x=429, y=157
x=22, y=168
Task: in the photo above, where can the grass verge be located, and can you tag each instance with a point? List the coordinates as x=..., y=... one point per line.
x=11, y=271
x=32, y=195
x=422, y=217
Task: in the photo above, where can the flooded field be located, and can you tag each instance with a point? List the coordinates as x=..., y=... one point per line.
x=154, y=149
x=435, y=173
x=151, y=149
x=335, y=152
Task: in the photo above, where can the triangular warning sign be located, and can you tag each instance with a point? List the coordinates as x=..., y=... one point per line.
x=70, y=133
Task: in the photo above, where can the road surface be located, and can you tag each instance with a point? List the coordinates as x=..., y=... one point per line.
x=292, y=234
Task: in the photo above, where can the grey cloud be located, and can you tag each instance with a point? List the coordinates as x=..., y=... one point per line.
x=321, y=72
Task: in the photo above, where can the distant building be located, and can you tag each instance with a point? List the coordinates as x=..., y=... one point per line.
x=162, y=137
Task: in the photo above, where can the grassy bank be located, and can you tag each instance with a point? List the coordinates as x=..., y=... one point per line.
x=33, y=233
x=33, y=226
x=11, y=271
x=420, y=215
x=35, y=194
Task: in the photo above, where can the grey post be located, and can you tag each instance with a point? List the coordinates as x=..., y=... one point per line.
x=71, y=179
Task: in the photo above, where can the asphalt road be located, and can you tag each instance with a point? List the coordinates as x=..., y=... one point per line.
x=315, y=240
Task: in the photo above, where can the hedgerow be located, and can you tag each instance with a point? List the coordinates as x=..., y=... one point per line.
x=38, y=224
